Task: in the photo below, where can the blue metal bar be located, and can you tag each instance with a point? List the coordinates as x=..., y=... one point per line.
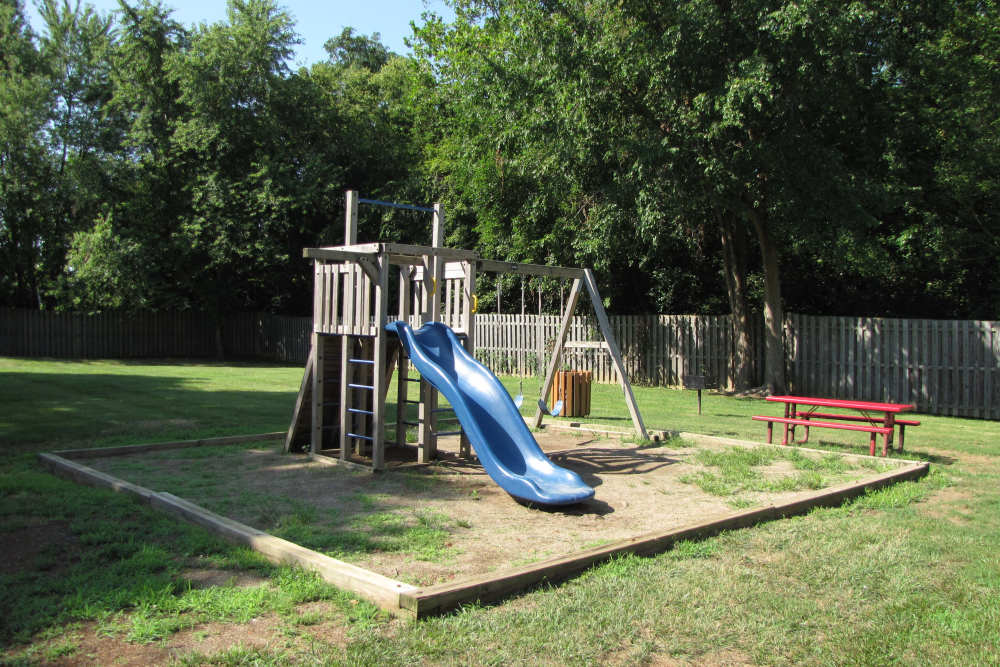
x=360, y=437
x=362, y=361
x=408, y=207
x=361, y=386
x=358, y=411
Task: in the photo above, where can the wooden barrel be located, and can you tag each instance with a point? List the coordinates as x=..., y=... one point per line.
x=573, y=389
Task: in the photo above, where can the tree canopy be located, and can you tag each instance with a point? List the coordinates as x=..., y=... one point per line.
x=701, y=156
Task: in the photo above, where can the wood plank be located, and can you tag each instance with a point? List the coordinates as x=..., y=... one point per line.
x=515, y=268
x=303, y=400
x=380, y=590
x=380, y=380
x=602, y=319
x=436, y=599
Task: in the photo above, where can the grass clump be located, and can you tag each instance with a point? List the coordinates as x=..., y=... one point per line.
x=736, y=470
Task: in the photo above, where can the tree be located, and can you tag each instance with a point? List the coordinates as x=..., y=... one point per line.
x=27, y=180
x=760, y=114
x=350, y=50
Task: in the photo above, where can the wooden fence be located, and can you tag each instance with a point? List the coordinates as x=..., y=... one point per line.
x=116, y=335
x=944, y=367
x=947, y=367
x=656, y=349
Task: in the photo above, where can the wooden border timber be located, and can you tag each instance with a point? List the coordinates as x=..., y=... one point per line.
x=497, y=585
x=122, y=450
x=380, y=590
x=405, y=599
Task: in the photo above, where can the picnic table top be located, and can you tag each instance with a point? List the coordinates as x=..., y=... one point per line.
x=845, y=404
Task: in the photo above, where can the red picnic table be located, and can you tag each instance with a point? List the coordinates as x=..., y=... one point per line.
x=874, y=418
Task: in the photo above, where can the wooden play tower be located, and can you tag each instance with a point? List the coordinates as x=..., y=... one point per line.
x=340, y=413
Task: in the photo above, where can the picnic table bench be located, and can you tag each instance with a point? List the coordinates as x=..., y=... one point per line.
x=868, y=420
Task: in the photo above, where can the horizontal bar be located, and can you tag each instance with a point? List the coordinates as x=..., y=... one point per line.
x=443, y=410
x=411, y=402
x=440, y=433
x=411, y=423
x=493, y=266
x=361, y=386
x=358, y=411
x=413, y=379
x=361, y=437
x=389, y=204
x=362, y=361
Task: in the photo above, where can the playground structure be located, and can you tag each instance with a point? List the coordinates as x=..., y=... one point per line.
x=340, y=414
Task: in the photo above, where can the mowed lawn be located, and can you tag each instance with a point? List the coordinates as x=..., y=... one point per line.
x=907, y=575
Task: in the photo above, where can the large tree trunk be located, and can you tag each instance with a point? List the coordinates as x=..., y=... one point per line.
x=774, y=316
x=734, y=252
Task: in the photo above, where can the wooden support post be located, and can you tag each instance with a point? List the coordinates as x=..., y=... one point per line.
x=379, y=379
x=469, y=324
x=351, y=217
x=403, y=366
x=319, y=367
x=574, y=295
x=614, y=350
x=345, y=393
x=305, y=393
x=433, y=268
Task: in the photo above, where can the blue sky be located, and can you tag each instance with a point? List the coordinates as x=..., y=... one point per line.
x=315, y=21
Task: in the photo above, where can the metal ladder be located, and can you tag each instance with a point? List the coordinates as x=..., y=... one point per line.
x=358, y=412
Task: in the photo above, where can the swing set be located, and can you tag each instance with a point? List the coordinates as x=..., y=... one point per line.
x=340, y=414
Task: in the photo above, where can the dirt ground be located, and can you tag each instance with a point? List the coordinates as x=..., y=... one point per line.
x=638, y=490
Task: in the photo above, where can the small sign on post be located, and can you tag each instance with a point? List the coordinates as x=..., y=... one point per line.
x=698, y=382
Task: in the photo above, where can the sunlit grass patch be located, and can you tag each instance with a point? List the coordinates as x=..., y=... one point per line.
x=736, y=470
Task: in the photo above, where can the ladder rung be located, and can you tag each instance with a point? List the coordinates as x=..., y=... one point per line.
x=361, y=437
x=440, y=433
x=358, y=411
x=370, y=362
x=410, y=402
x=443, y=410
x=412, y=379
x=361, y=386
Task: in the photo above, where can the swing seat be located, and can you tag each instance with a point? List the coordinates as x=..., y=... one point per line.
x=556, y=409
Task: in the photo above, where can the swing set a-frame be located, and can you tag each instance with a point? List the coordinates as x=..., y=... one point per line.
x=340, y=413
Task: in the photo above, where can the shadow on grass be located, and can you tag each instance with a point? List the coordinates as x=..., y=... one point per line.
x=908, y=454
x=47, y=410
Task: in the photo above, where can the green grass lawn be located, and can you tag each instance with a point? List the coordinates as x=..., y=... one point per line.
x=910, y=574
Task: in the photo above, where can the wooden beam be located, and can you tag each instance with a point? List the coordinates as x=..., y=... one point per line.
x=614, y=350
x=305, y=394
x=125, y=450
x=337, y=254
x=497, y=585
x=350, y=217
x=318, y=391
x=454, y=254
x=493, y=266
x=379, y=379
x=469, y=324
x=574, y=295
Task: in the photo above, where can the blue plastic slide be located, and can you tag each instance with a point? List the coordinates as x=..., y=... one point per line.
x=494, y=426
